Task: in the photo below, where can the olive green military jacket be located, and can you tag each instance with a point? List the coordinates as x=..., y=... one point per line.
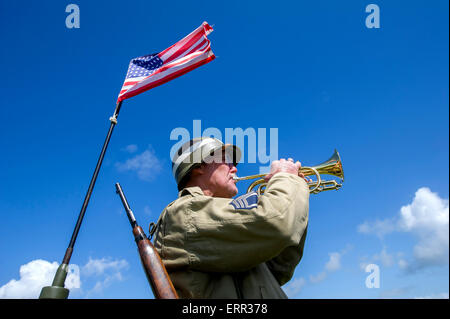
x=243, y=248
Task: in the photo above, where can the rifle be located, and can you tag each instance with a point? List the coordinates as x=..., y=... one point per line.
x=155, y=271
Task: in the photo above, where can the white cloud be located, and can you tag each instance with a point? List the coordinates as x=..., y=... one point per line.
x=428, y=212
x=105, y=271
x=403, y=264
x=132, y=148
x=146, y=165
x=378, y=227
x=427, y=219
x=98, y=267
x=385, y=258
x=334, y=263
x=318, y=278
x=35, y=275
x=294, y=287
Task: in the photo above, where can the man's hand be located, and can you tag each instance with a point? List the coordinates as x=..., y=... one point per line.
x=287, y=166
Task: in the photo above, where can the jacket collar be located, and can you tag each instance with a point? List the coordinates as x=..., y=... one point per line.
x=194, y=191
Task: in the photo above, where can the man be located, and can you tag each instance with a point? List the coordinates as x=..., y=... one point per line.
x=217, y=247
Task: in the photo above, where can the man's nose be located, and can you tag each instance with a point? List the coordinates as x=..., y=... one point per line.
x=233, y=168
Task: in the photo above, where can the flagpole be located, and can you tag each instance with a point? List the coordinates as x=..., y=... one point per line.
x=57, y=290
x=148, y=67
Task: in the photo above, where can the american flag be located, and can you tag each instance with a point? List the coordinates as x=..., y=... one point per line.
x=149, y=71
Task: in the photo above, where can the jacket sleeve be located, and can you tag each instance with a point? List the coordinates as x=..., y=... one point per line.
x=221, y=237
x=283, y=265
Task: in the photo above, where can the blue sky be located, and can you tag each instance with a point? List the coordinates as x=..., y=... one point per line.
x=313, y=71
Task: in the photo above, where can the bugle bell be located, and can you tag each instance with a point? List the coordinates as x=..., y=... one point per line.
x=332, y=166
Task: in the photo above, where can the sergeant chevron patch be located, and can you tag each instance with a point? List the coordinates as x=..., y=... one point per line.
x=246, y=201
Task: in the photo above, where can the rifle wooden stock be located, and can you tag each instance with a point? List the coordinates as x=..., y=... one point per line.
x=157, y=275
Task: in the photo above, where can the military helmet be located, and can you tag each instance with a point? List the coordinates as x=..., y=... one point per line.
x=199, y=150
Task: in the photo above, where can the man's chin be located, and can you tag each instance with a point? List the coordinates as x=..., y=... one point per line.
x=231, y=192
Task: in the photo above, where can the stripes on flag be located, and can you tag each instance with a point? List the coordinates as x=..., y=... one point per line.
x=149, y=71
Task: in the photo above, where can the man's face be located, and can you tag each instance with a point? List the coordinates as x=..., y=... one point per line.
x=219, y=178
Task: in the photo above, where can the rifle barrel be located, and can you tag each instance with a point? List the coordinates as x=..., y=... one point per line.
x=130, y=215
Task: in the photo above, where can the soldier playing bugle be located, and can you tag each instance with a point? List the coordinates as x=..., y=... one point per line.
x=214, y=246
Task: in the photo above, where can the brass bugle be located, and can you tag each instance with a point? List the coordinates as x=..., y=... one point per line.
x=332, y=166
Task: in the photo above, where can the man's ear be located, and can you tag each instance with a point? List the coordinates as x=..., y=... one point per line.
x=199, y=170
